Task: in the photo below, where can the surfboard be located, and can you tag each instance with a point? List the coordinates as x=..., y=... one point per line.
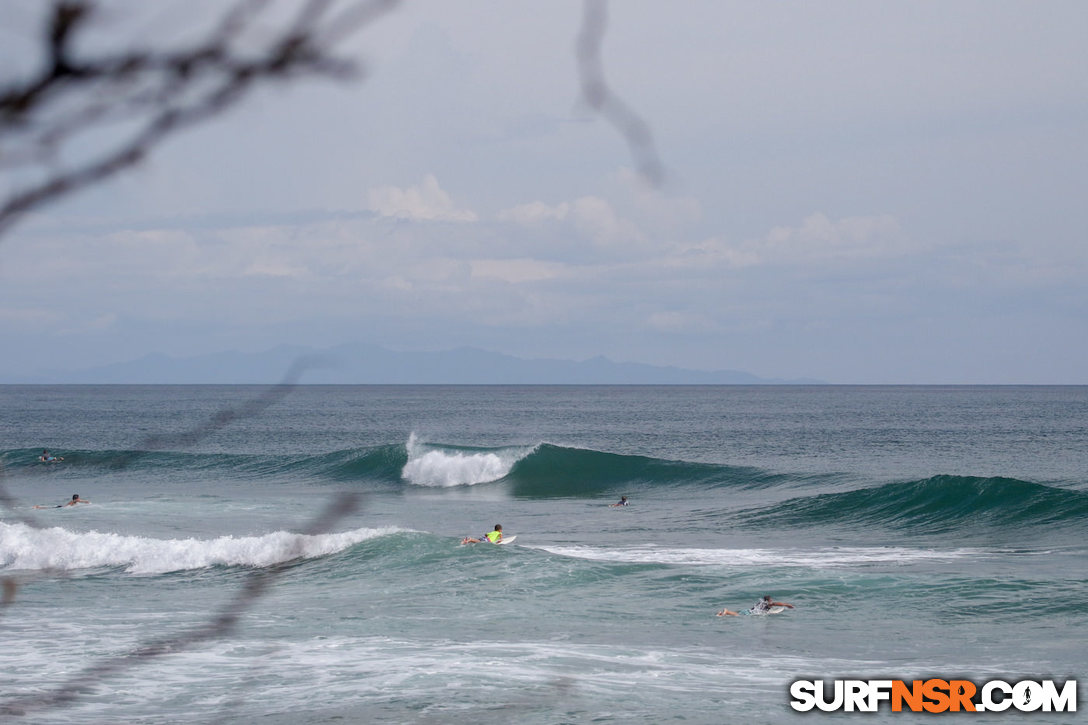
x=505, y=540
x=752, y=613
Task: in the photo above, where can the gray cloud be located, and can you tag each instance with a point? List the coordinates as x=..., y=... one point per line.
x=858, y=193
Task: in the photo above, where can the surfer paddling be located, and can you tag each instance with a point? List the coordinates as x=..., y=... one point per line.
x=622, y=502
x=74, y=500
x=47, y=457
x=494, y=537
x=763, y=606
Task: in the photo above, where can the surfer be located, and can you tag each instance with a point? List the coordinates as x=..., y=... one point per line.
x=763, y=606
x=75, y=499
x=622, y=502
x=494, y=537
x=46, y=457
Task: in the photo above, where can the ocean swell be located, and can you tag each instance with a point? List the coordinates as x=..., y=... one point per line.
x=936, y=504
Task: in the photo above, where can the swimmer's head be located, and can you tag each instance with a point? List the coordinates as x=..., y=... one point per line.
x=75, y=496
x=498, y=527
x=766, y=597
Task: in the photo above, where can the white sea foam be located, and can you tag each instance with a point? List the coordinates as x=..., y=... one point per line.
x=828, y=557
x=25, y=547
x=381, y=679
x=432, y=466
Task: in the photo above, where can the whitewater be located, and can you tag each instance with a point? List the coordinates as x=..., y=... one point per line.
x=303, y=565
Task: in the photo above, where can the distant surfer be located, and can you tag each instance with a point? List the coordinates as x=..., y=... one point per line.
x=47, y=457
x=763, y=606
x=494, y=537
x=74, y=500
x=622, y=502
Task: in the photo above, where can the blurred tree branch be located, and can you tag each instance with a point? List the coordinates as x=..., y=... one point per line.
x=139, y=98
x=221, y=623
x=149, y=95
x=602, y=99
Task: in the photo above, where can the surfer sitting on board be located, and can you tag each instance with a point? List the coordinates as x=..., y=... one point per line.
x=75, y=499
x=622, y=502
x=763, y=606
x=493, y=536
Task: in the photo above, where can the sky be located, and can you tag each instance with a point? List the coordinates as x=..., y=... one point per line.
x=858, y=192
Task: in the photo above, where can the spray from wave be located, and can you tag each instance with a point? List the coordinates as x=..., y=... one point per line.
x=438, y=466
x=24, y=547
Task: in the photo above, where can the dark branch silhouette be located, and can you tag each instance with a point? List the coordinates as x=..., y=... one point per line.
x=156, y=442
x=221, y=624
x=223, y=418
x=159, y=92
x=597, y=94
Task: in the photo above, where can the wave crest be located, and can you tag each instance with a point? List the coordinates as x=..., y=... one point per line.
x=25, y=547
x=431, y=465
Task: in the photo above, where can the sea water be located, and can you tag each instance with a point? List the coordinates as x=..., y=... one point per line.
x=292, y=555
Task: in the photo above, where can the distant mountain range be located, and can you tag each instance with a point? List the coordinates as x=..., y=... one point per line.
x=360, y=363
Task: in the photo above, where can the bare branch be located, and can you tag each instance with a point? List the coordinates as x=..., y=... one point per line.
x=597, y=94
x=224, y=417
x=221, y=623
x=158, y=442
x=160, y=92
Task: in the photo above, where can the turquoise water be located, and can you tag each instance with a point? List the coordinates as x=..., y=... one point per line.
x=918, y=531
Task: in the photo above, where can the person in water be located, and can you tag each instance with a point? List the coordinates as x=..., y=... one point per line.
x=763, y=606
x=74, y=500
x=494, y=537
x=622, y=502
x=46, y=457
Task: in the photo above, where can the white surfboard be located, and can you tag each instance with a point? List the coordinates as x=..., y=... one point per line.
x=508, y=539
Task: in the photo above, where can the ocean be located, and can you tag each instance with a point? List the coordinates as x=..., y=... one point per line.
x=292, y=555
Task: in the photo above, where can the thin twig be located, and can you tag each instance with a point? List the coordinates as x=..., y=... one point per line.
x=165, y=92
x=599, y=96
x=221, y=623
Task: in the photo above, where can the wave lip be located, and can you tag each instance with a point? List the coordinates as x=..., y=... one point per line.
x=443, y=467
x=27, y=548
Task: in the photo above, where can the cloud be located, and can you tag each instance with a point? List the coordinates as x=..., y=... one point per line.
x=103, y=322
x=629, y=220
x=597, y=219
x=428, y=201
x=27, y=318
x=517, y=271
x=818, y=241
x=820, y=238
x=78, y=324
x=676, y=321
x=652, y=209
x=274, y=268
x=592, y=218
x=535, y=213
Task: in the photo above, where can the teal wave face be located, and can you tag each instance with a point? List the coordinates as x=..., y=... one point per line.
x=557, y=471
x=934, y=505
x=383, y=463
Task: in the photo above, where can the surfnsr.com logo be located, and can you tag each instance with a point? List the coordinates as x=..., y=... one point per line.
x=934, y=695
